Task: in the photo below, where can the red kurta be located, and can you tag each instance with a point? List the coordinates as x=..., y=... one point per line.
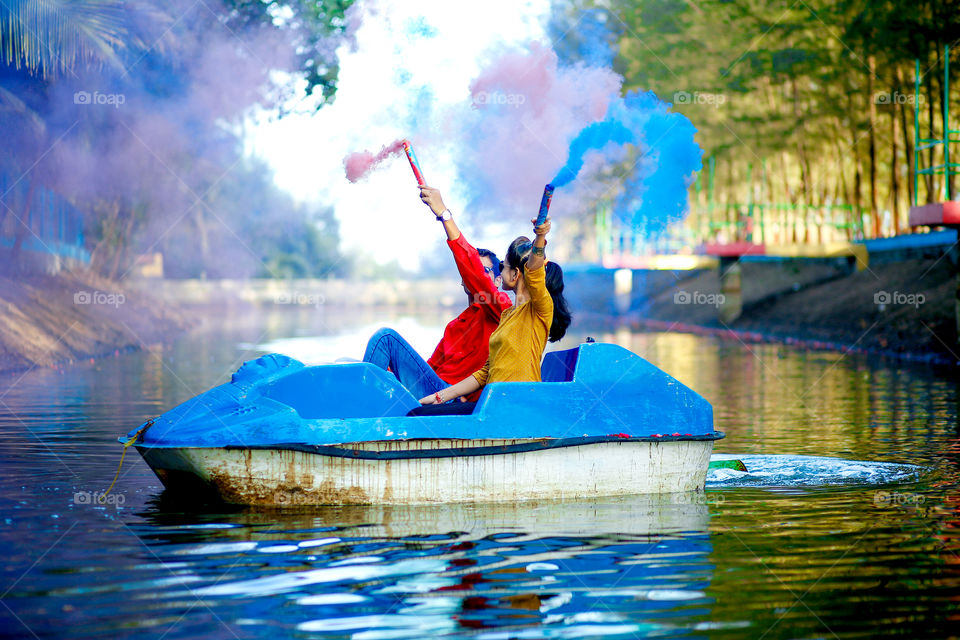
x=466, y=340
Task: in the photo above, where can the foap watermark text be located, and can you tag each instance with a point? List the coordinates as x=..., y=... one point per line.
x=886, y=298
x=698, y=297
x=499, y=98
x=99, y=297
x=97, y=497
x=883, y=498
x=300, y=299
x=895, y=97
x=96, y=98
x=699, y=97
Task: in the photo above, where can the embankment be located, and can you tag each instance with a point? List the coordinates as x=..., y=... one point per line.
x=53, y=319
x=902, y=308
x=56, y=319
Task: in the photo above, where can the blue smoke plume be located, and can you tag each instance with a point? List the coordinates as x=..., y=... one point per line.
x=655, y=193
x=596, y=136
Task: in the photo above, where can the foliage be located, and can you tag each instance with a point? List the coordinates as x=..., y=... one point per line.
x=252, y=228
x=167, y=169
x=814, y=98
x=313, y=25
x=52, y=38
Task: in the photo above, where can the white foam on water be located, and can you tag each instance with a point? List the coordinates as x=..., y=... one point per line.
x=211, y=548
x=674, y=594
x=785, y=470
x=304, y=544
x=286, y=581
x=278, y=548
x=328, y=599
x=542, y=566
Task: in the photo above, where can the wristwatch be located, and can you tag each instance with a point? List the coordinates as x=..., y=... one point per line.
x=446, y=215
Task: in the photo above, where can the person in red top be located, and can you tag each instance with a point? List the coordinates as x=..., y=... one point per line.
x=465, y=344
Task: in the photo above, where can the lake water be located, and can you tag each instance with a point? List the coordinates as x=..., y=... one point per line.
x=847, y=523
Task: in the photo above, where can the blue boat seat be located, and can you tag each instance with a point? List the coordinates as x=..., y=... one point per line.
x=360, y=390
x=559, y=366
x=445, y=409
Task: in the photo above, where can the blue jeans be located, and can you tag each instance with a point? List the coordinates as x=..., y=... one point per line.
x=387, y=349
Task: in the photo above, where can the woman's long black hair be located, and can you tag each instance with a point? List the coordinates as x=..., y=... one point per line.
x=517, y=255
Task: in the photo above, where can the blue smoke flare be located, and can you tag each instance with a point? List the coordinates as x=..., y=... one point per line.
x=596, y=136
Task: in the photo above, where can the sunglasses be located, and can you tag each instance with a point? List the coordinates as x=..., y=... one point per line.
x=488, y=270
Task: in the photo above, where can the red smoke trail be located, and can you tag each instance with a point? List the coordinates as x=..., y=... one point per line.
x=359, y=164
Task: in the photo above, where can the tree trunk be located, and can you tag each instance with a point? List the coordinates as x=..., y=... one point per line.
x=938, y=98
x=907, y=143
x=841, y=192
x=944, y=99
x=121, y=257
x=894, y=172
x=931, y=158
x=857, y=171
x=24, y=225
x=872, y=145
x=106, y=213
x=801, y=149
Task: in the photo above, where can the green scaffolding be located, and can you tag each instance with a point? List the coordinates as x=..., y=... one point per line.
x=947, y=169
x=787, y=215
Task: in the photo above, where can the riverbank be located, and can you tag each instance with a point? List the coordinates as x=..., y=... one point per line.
x=47, y=320
x=902, y=309
x=51, y=320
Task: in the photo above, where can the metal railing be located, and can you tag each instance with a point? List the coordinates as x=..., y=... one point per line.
x=53, y=225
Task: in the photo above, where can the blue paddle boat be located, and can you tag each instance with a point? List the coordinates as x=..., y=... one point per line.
x=603, y=422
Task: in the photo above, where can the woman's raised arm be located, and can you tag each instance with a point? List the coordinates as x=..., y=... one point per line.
x=537, y=255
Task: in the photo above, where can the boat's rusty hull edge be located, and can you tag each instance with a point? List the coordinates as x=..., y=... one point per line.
x=266, y=476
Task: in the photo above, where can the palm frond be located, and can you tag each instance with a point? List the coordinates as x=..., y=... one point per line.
x=12, y=104
x=52, y=38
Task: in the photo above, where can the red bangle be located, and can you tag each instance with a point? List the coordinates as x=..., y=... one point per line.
x=437, y=397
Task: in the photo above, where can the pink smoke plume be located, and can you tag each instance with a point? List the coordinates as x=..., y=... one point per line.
x=357, y=165
x=526, y=109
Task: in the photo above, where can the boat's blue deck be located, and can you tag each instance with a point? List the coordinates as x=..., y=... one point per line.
x=595, y=390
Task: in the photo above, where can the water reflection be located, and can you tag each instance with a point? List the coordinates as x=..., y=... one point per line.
x=559, y=568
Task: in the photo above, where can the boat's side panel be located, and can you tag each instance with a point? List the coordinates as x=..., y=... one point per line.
x=274, y=476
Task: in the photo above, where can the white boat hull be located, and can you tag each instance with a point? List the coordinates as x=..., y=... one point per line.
x=419, y=471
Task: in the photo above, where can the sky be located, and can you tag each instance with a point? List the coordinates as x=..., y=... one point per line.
x=403, y=54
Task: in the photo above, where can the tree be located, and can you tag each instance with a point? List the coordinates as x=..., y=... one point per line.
x=819, y=92
x=183, y=77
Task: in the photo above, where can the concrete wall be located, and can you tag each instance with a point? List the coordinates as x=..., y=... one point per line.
x=308, y=292
x=691, y=295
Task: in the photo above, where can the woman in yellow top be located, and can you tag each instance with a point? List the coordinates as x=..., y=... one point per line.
x=540, y=314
